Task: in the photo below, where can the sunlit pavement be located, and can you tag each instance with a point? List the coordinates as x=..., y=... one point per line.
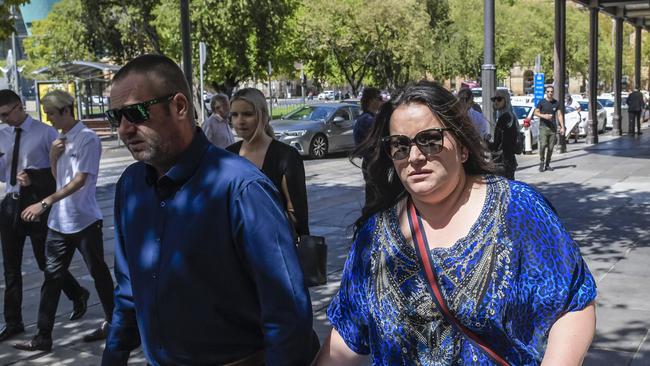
x=602, y=193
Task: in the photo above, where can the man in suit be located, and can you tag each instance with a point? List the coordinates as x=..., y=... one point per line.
x=635, y=106
x=25, y=149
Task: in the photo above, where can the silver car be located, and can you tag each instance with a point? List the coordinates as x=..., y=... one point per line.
x=318, y=129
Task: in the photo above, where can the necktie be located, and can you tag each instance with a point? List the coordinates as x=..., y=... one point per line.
x=14, y=158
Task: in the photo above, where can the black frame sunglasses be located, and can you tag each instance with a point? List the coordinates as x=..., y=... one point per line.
x=429, y=141
x=497, y=99
x=135, y=113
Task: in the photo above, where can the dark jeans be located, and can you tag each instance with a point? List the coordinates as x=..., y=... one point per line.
x=13, y=232
x=635, y=122
x=59, y=251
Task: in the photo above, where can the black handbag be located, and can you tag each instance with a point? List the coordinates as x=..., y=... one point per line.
x=312, y=253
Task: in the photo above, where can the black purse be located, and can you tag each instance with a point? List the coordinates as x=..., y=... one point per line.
x=312, y=253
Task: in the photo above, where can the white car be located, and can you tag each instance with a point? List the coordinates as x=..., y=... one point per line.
x=601, y=115
x=326, y=95
x=524, y=112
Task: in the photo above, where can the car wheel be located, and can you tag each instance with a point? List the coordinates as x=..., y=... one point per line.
x=318, y=147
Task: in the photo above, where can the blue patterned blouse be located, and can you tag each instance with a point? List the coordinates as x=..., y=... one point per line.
x=508, y=280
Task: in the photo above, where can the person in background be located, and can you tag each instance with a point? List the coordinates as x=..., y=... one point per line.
x=549, y=117
x=504, y=265
x=75, y=221
x=217, y=126
x=466, y=98
x=25, y=151
x=206, y=267
x=278, y=161
x=505, y=134
x=635, y=107
x=371, y=101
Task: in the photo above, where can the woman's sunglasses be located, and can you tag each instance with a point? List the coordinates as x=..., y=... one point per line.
x=135, y=113
x=497, y=99
x=429, y=142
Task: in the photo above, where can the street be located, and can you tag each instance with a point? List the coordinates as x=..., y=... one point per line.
x=601, y=191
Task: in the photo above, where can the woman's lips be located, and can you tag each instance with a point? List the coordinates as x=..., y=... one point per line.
x=419, y=173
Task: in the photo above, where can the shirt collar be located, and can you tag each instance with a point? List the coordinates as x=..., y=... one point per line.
x=73, y=131
x=26, y=125
x=186, y=165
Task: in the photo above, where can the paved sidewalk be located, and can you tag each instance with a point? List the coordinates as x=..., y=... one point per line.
x=602, y=193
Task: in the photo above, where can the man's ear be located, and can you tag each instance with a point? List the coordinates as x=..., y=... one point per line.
x=180, y=105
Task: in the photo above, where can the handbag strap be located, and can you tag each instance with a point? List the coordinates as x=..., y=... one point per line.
x=424, y=255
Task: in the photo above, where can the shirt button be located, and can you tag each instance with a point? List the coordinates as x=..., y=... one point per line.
x=162, y=204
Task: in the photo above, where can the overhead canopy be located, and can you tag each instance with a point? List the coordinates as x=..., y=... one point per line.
x=82, y=69
x=636, y=12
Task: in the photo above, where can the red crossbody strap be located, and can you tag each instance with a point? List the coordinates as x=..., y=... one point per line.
x=424, y=254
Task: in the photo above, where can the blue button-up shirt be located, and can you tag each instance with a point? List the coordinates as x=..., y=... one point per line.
x=206, y=268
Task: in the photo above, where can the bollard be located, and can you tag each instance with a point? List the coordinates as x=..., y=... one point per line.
x=528, y=141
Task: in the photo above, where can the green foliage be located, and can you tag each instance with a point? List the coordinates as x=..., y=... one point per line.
x=6, y=21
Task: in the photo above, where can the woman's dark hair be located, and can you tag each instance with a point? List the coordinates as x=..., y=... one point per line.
x=385, y=192
x=369, y=94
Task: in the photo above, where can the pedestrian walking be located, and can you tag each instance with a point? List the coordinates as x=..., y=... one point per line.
x=421, y=286
x=371, y=102
x=549, y=114
x=505, y=134
x=466, y=98
x=217, y=126
x=75, y=221
x=278, y=161
x=24, y=150
x=635, y=106
x=205, y=260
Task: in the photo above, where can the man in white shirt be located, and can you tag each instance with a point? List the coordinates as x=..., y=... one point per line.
x=466, y=99
x=75, y=220
x=216, y=128
x=25, y=167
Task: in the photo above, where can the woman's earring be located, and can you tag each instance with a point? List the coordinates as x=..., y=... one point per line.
x=391, y=174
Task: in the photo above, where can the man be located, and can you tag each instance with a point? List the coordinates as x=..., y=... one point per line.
x=466, y=99
x=217, y=127
x=371, y=102
x=549, y=116
x=635, y=105
x=205, y=262
x=75, y=221
x=25, y=148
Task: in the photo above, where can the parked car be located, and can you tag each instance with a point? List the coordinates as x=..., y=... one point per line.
x=524, y=112
x=326, y=95
x=601, y=115
x=318, y=129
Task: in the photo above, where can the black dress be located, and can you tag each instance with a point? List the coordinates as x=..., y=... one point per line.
x=505, y=140
x=282, y=160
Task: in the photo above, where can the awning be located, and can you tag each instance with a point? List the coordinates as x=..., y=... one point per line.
x=81, y=69
x=636, y=12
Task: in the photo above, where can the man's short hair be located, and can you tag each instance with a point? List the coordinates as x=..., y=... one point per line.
x=219, y=98
x=58, y=99
x=8, y=96
x=549, y=87
x=164, y=74
x=466, y=96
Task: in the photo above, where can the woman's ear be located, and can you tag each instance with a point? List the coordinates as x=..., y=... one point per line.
x=464, y=154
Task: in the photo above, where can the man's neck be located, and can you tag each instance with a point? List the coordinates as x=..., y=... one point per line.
x=68, y=126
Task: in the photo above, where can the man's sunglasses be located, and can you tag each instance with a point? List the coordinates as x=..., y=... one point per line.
x=428, y=141
x=497, y=99
x=135, y=113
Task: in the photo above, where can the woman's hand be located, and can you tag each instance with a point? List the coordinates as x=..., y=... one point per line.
x=570, y=337
x=336, y=353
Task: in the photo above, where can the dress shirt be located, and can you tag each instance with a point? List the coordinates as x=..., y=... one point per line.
x=362, y=127
x=218, y=131
x=35, y=143
x=204, y=256
x=481, y=124
x=81, y=155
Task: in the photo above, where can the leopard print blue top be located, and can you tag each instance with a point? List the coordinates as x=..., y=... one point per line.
x=508, y=280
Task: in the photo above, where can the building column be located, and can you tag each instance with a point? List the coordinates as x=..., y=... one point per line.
x=637, y=57
x=618, y=75
x=592, y=130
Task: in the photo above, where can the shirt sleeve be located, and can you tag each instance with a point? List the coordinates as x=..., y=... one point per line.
x=347, y=311
x=89, y=155
x=123, y=335
x=553, y=278
x=262, y=232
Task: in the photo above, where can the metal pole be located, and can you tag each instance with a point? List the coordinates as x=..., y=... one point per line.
x=488, y=74
x=637, y=57
x=618, y=74
x=14, y=49
x=187, y=46
x=592, y=130
x=559, y=61
x=270, y=93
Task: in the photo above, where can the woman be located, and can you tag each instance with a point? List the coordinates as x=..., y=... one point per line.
x=280, y=162
x=513, y=277
x=505, y=134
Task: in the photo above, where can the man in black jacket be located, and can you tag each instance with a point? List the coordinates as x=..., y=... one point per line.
x=635, y=106
x=25, y=167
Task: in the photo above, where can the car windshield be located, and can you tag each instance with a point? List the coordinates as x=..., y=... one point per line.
x=521, y=111
x=311, y=113
x=584, y=106
x=606, y=102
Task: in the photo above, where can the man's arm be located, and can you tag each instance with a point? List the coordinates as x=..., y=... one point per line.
x=35, y=210
x=123, y=335
x=260, y=227
x=560, y=120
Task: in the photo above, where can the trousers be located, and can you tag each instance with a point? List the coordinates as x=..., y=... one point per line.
x=547, y=139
